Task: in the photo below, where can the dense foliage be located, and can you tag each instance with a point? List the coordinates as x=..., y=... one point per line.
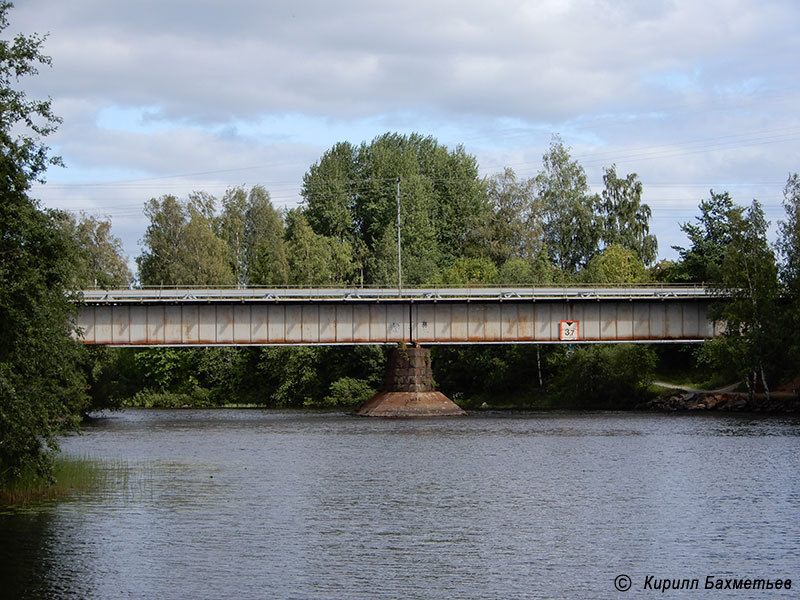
x=42, y=387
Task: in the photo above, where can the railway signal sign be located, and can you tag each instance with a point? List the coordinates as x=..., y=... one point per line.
x=568, y=331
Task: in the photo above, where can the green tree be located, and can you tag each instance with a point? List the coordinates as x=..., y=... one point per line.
x=710, y=236
x=316, y=259
x=461, y=206
x=469, y=271
x=292, y=376
x=789, y=251
x=569, y=210
x=185, y=244
x=266, y=261
x=492, y=372
x=625, y=220
x=23, y=122
x=109, y=376
x=41, y=386
x=350, y=195
x=254, y=235
x=607, y=376
x=204, y=255
x=182, y=246
x=348, y=391
x=100, y=262
x=515, y=271
x=231, y=228
x=513, y=230
x=667, y=271
x=615, y=264
x=162, y=241
x=330, y=189
x=223, y=371
x=748, y=282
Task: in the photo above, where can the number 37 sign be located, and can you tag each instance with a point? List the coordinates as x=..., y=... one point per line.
x=568, y=331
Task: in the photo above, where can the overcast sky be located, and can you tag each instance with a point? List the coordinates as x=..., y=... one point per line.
x=170, y=96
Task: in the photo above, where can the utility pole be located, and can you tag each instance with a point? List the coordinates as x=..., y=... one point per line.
x=399, y=253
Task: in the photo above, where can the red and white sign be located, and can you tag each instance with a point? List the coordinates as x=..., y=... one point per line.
x=568, y=331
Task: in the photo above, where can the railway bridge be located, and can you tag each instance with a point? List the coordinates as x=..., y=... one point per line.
x=309, y=316
x=406, y=319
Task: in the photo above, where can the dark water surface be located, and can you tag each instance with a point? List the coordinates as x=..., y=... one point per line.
x=251, y=504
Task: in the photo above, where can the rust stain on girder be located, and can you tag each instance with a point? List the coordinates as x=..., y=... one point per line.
x=391, y=323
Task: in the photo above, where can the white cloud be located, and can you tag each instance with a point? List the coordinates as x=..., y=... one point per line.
x=698, y=94
x=220, y=60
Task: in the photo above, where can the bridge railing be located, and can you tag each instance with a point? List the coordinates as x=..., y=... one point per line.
x=369, y=293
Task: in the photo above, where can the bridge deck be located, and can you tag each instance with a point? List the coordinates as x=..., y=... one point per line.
x=280, y=316
x=318, y=294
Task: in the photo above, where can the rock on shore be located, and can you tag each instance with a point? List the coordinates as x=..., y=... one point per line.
x=676, y=401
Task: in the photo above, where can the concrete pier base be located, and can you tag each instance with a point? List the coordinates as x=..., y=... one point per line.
x=408, y=389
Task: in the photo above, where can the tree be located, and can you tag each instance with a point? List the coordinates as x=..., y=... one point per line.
x=23, y=122
x=330, y=189
x=667, y=271
x=253, y=232
x=625, y=220
x=41, y=387
x=100, y=261
x=748, y=282
x=423, y=254
x=710, y=237
x=571, y=228
x=516, y=271
x=608, y=376
x=316, y=259
x=301, y=375
x=204, y=256
x=615, y=264
x=514, y=227
x=181, y=244
x=162, y=241
x=230, y=226
x=789, y=250
x=350, y=195
x=469, y=271
x=789, y=236
x=266, y=262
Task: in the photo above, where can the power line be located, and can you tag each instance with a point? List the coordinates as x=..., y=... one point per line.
x=739, y=140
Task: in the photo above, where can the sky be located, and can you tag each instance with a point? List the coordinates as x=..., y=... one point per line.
x=173, y=96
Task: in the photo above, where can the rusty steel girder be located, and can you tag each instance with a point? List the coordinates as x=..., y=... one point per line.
x=195, y=320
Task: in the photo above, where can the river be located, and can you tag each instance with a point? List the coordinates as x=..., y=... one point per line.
x=247, y=504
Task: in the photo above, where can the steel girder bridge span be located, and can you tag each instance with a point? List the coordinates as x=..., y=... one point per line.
x=348, y=316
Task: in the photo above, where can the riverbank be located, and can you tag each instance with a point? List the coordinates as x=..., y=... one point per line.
x=723, y=400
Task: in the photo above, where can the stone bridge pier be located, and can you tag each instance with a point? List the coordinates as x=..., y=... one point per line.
x=408, y=389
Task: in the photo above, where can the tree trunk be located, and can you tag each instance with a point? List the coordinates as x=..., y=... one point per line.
x=539, y=364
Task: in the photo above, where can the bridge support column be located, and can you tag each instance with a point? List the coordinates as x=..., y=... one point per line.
x=408, y=389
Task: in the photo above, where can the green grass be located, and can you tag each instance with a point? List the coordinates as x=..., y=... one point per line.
x=698, y=381
x=70, y=475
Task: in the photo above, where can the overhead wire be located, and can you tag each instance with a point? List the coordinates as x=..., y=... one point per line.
x=285, y=193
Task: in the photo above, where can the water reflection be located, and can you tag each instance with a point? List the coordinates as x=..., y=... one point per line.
x=252, y=504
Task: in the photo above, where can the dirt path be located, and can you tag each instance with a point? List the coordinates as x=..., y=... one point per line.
x=722, y=390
